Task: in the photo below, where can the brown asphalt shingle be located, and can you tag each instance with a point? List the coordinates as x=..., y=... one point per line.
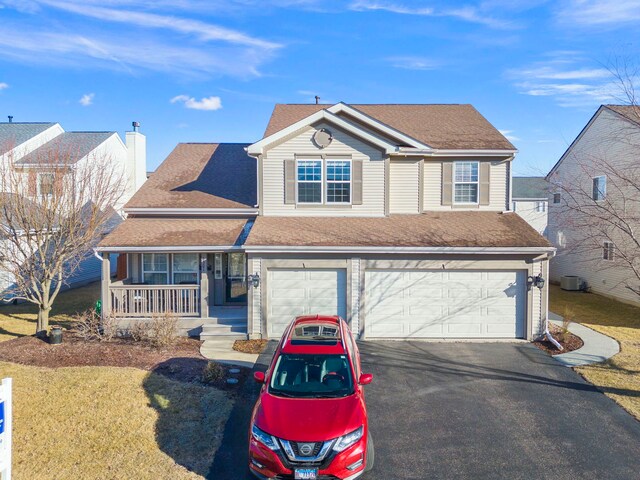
x=431, y=229
x=439, y=126
x=201, y=175
x=630, y=112
x=175, y=232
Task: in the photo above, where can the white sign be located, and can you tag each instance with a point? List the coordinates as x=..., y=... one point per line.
x=5, y=429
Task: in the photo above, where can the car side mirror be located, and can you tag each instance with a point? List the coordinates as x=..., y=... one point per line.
x=365, y=379
x=258, y=377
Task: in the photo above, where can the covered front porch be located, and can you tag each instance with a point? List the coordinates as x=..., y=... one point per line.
x=192, y=268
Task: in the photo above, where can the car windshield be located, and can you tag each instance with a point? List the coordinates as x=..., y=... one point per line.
x=315, y=376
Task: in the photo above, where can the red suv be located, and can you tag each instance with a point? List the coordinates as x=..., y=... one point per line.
x=310, y=420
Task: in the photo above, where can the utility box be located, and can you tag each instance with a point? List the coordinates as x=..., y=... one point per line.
x=571, y=283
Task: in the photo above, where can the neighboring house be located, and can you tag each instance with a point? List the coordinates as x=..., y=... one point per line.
x=607, y=144
x=32, y=148
x=393, y=216
x=530, y=201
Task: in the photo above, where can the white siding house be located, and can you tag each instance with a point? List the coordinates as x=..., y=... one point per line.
x=606, y=144
x=530, y=201
x=30, y=146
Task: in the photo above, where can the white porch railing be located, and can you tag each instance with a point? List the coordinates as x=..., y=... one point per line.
x=149, y=300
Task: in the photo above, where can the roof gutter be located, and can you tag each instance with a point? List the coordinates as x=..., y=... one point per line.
x=169, y=249
x=191, y=211
x=409, y=151
x=410, y=250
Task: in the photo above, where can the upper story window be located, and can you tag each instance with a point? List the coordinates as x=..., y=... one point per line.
x=323, y=182
x=465, y=179
x=608, y=251
x=556, y=197
x=45, y=184
x=541, y=207
x=309, y=181
x=338, y=181
x=599, y=188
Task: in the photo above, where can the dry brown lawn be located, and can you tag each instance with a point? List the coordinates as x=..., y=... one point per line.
x=108, y=422
x=88, y=423
x=20, y=320
x=619, y=377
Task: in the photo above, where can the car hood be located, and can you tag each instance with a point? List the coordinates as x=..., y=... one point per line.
x=309, y=420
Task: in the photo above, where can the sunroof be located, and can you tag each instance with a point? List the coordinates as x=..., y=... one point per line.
x=315, y=334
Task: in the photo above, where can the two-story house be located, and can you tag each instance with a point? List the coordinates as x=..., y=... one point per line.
x=33, y=147
x=530, y=201
x=594, y=205
x=395, y=217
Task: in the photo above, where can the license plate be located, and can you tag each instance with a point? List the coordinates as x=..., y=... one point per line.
x=306, y=474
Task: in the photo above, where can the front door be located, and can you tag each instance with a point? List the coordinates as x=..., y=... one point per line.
x=236, y=279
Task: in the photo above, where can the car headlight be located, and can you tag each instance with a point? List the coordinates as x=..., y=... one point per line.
x=347, y=440
x=267, y=440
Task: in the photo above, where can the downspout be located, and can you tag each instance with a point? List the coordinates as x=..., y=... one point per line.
x=97, y=255
x=547, y=333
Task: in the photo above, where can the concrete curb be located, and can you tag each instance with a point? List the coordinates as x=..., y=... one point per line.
x=221, y=350
x=597, y=347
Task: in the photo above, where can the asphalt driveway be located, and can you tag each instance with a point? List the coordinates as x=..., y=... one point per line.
x=474, y=411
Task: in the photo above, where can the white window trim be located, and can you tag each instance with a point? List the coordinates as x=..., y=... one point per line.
x=608, y=249
x=173, y=270
x=454, y=182
x=321, y=181
x=38, y=184
x=327, y=181
x=540, y=203
x=604, y=193
x=144, y=272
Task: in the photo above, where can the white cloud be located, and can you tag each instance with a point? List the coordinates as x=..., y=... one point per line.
x=409, y=62
x=599, y=12
x=508, y=136
x=564, y=77
x=3, y=85
x=206, y=103
x=87, y=99
x=467, y=13
x=150, y=41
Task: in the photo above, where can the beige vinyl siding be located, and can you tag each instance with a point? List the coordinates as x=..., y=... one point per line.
x=404, y=191
x=373, y=180
x=604, y=139
x=498, y=181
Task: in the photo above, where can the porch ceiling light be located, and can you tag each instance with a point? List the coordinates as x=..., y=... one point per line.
x=254, y=280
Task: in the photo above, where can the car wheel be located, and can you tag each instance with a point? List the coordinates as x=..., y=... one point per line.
x=371, y=454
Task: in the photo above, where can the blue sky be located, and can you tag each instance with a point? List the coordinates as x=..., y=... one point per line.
x=211, y=70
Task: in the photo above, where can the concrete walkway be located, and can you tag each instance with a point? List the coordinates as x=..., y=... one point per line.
x=221, y=350
x=597, y=347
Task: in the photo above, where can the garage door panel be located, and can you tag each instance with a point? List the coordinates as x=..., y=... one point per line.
x=294, y=292
x=453, y=304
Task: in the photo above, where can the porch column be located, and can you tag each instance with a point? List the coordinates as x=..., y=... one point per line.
x=204, y=287
x=105, y=285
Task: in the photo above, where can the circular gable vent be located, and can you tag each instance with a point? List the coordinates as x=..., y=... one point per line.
x=322, y=138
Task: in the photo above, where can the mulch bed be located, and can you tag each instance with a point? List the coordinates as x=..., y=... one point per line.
x=181, y=361
x=250, y=346
x=570, y=343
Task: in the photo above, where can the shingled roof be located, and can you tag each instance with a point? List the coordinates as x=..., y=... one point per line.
x=201, y=175
x=455, y=126
x=67, y=148
x=13, y=134
x=429, y=229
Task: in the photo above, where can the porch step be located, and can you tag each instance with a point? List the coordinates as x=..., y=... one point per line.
x=238, y=331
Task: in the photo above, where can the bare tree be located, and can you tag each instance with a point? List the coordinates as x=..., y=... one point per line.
x=53, y=211
x=595, y=211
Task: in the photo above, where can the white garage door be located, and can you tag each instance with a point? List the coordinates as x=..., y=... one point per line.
x=304, y=292
x=439, y=304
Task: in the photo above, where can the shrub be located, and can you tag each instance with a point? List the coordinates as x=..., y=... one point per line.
x=567, y=319
x=160, y=331
x=88, y=325
x=213, y=372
